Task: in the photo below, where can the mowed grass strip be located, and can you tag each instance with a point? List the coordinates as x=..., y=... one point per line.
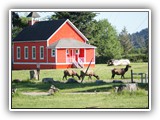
x=60, y=100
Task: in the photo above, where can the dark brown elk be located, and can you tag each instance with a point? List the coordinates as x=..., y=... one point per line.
x=120, y=71
x=89, y=73
x=70, y=73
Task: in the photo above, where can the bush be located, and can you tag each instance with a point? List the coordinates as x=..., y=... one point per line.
x=102, y=59
x=137, y=57
x=131, y=57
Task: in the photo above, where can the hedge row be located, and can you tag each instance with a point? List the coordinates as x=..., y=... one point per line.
x=131, y=57
x=137, y=57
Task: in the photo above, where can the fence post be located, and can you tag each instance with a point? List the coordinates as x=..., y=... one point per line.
x=38, y=70
x=33, y=74
x=145, y=78
x=141, y=77
x=131, y=76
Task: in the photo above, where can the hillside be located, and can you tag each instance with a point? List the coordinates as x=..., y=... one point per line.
x=140, y=39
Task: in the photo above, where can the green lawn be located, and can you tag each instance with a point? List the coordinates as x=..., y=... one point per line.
x=102, y=70
x=63, y=99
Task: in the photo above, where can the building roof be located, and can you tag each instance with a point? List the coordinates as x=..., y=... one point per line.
x=70, y=43
x=43, y=30
x=39, y=31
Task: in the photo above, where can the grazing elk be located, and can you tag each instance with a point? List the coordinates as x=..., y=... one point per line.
x=120, y=71
x=70, y=73
x=89, y=73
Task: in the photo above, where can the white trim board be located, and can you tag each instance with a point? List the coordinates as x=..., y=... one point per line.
x=33, y=63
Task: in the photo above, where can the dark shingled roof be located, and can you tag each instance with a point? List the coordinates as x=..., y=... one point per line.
x=39, y=31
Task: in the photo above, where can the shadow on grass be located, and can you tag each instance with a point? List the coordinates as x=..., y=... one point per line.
x=30, y=85
x=143, y=86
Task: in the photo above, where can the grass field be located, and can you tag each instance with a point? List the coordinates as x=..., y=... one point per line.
x=65, y=99
x=102, y=70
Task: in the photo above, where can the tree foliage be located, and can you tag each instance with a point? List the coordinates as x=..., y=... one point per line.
x=108, y=44
x=18, y=23
x=125, y=41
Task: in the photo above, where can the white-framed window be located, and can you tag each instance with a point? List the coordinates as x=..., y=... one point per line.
x=77, y=51
x=18, y=53
x=33, y=52
x=53, y=52
x=41, y=52
x=67, y=51
x=25, y=52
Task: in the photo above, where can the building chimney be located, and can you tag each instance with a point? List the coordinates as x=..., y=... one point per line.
x=33, y=15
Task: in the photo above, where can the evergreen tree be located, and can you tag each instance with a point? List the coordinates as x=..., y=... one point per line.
x=108, y=44
x=125, y=41
x=15, y=19
x=18, y=23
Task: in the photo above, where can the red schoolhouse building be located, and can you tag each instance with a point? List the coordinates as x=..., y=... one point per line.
x=56, y=44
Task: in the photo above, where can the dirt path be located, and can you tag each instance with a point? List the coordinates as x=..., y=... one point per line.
x=88, y=93
x=35, y=93
x=46, y=93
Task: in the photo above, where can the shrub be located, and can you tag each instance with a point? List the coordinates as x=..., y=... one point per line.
x=137, y=57
x=101, y=59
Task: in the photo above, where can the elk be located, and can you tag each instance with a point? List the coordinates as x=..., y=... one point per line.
x=120, y=71
x=89, y=73
x=70, y=73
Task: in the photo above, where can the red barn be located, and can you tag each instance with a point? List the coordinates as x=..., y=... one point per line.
x=51, y=45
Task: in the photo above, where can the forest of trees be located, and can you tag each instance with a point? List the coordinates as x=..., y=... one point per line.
x=110, y=44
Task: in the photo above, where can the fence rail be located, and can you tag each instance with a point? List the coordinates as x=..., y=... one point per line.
x=144, y=77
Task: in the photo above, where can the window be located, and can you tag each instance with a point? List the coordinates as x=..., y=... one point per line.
x=53, y=52
x=77, y=51
x=18, y=53
x=33, y=52
x=67, y=51
x=41, y=52
x=25, y=52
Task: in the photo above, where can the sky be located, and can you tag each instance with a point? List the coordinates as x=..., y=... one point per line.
x=133, y=21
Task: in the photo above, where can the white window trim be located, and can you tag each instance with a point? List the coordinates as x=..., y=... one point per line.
x=35, y=52
x=67, y=51
x=77, y=53
x=40, y=52
x=19, y=53
x=52, y=52
x=25, y=52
